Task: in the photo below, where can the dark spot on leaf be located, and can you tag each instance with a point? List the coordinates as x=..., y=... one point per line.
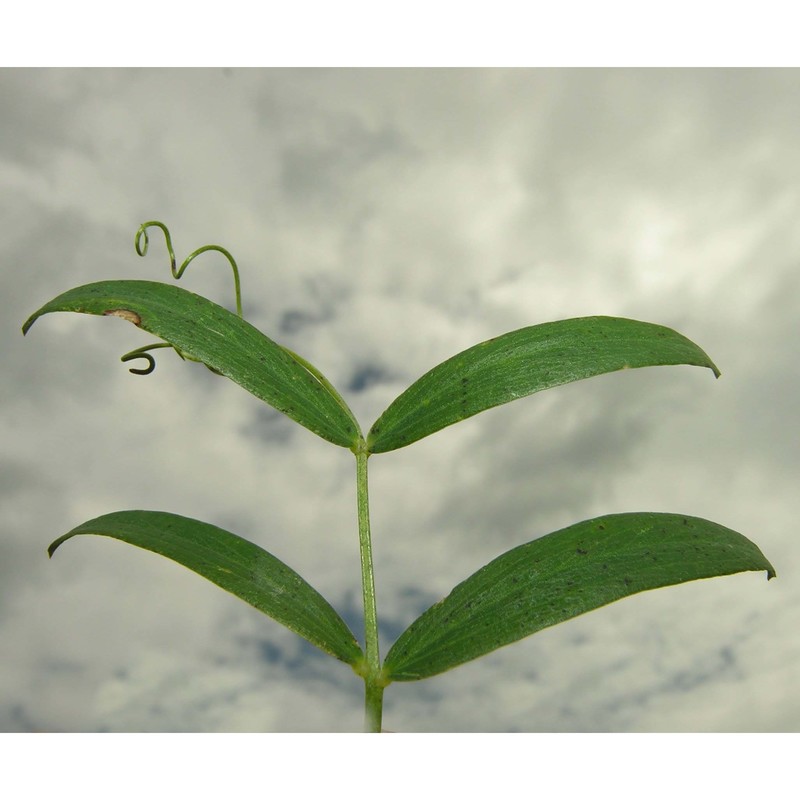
x=581, y=552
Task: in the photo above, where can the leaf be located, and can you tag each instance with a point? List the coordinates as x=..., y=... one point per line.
x=563, y=575
x=522, y=362
x=236, y=565
x=223, y=341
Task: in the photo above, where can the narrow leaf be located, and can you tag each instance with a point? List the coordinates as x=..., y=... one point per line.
x=522, y=362
x=561, y=576
x=236, y=565
x=223, y=341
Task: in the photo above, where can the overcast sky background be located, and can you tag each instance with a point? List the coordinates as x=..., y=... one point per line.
x=382, y=222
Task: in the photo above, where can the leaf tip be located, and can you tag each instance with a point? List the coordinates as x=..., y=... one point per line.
x=56, y=544
x=28, y=322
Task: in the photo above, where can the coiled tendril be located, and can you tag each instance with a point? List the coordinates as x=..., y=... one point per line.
x=142, y=243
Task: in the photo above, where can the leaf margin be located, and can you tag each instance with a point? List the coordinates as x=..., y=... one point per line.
x=440, y=614
x=443, y=390
x=171, y=313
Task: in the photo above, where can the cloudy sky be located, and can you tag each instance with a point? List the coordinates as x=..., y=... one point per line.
x=383, y=221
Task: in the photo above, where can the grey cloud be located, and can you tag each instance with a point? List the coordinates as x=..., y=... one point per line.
x=269, y=426
x=553, y=460
x=384, y=220
x=328, y=172
x=365, y=377
x=38, y=120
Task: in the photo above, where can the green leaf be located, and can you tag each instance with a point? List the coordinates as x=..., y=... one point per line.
x=238, y=566
x=522, y=362
x=562, y=575
x=223, y=341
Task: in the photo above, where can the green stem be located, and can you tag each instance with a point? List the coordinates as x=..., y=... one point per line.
x=373, y=679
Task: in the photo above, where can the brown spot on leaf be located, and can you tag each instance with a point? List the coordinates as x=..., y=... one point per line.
x=124, y=313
